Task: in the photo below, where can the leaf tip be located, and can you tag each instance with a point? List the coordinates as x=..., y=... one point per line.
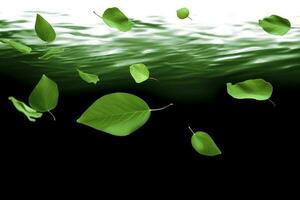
x=217, y=151
x=79, y=120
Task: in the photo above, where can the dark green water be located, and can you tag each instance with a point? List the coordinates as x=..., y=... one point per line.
x=191, y=62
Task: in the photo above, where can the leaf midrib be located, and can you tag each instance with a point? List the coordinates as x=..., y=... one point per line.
x=114, y=115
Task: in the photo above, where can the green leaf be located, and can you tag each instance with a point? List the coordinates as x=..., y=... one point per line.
x=118, y=114
x=275, y=25
x=52, y=53
x=114, y=18
x=139, y=72
x=204, y=144
x=44, y=96
x=44, y=30
x=258, y=89
x=89, y=78
x=16, y=45
x=30, y=113
x=183, y=13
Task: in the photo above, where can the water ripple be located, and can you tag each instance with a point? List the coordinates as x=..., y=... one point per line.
x=185, y=58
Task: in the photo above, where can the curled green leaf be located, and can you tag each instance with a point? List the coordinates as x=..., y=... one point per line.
x=89, y=78
x=257, y=89
x=44, y=96
x=44, y=30
x=29, y=112
x=139, y=72
x=275, y=25
x=115, y=18
x=16, y=45
x=182, y=13
x=204, y=144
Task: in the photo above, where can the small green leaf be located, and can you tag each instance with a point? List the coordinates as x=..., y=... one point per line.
x=275, y=25
x=44, y=96
x=114, y=18
x=30, y=113
x=183, y=13
x=52, y=53
x=16, y=45
x=118, y=114
x=89, y=78
x=204, y=144
x=44, y=30
x=139, y=72
x=258, y=89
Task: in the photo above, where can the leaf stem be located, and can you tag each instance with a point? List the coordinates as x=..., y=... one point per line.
x=191, y=130
x=157, y=109
x=54, y=118
x=97, y=14
x=272, y=102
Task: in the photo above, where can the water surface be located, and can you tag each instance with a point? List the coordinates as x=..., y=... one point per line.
x=191, y=61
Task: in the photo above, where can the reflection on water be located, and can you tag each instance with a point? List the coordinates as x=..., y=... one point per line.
x=189, y=60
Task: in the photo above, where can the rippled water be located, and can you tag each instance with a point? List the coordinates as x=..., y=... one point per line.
x=190, y=61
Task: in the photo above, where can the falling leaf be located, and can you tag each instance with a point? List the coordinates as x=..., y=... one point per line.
x=44, y=30
x=204, y=144
x=29, y=112
x=118, y=114
x=114, y=18
x=139, y=72
x=89, y=78
x=16, y=45
x=183, y=13
x=44, y=96
x=275, y=25
x=258, y=89
x=52, y=53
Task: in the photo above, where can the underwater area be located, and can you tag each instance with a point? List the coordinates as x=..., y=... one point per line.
x=190, y=64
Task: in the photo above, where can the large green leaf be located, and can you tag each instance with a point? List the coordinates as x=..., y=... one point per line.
x=52, y=53
x=182, y=13
x=139, y=72
x=119, y=114
x=204, y=144
x=258, y=89
x=44, y=30
x=44, y=96
x=89, y=78
x=16, y=45
x=275, y=25
x=114, y=18
x=30, y=113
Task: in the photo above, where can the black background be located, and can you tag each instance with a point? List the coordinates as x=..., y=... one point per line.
x=249, y=133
